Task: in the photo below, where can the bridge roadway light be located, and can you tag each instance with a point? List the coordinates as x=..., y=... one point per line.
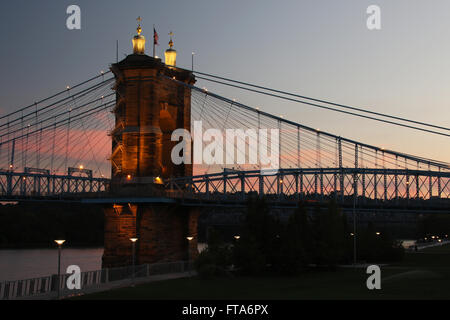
x=237, y=237
x=377, y=233
x=59, y=242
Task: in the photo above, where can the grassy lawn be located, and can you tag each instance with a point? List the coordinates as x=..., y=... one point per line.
x=422, y=275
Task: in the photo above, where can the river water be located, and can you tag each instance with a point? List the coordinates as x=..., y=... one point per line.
x=32, y=263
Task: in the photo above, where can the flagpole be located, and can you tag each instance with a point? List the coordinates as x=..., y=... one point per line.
x=153, y=41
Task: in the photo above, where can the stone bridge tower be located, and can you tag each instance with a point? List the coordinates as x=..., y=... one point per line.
x=149, y=106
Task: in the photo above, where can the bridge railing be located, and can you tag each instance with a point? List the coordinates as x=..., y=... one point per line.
x=371, y=186
x=48, y=286
x=20, y=184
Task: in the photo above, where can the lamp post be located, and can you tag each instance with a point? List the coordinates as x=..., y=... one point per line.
x=189, y=239
x=133, y=242
x=193, y=53
x=59, y=242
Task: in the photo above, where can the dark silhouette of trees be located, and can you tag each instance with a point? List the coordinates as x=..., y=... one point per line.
x=319, y=237
x=26, y=225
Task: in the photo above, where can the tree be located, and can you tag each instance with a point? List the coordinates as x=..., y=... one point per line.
x=215, y=260
x=259, y=245
x=297, y=242
x=330, y=238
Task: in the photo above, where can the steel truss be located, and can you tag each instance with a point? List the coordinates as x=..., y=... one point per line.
x=369, y=186
x=26, y=184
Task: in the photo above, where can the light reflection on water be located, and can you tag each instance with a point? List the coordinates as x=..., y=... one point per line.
x=32, y=263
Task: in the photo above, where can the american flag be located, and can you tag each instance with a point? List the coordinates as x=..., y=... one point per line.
x=155, y=36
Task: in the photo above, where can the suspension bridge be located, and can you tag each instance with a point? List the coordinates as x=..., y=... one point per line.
x=59, y=149
x=109, y=140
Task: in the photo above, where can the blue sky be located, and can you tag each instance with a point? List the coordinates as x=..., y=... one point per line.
x=317, y=48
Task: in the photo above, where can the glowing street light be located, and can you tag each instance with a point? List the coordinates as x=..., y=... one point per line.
x=133, y=245
x=59, y=242
x=237, y=237
x=189, y=239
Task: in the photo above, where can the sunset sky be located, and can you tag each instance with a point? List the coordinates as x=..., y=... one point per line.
x=319, y=48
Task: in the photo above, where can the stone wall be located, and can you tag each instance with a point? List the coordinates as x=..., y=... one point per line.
x=161, y=230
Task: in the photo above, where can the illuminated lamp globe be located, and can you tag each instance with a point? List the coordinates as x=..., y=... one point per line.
x=170, y=54
x=139, y=42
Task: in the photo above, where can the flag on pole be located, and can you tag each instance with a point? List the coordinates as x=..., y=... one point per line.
x=155, y=36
